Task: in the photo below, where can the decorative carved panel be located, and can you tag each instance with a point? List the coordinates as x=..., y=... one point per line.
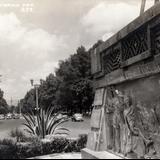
x=112, y=60
x=156, y=40
x=134, y=44
x=96, y=62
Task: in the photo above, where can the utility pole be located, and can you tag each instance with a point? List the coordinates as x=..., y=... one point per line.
x=36, y=86
x=37, y=103
x=20, y=108
x=11, y=101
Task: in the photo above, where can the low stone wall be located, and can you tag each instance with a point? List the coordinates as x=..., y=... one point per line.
x=60, y=156
x=89, y=154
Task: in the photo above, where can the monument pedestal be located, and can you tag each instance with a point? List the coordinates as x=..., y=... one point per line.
x=126, y=71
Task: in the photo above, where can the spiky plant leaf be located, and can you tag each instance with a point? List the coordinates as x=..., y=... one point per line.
x=45, y=123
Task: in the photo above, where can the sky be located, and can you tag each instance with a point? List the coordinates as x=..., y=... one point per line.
x=36, y=34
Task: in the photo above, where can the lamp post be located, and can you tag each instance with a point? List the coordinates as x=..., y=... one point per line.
x=36, y=86
x=20, y=108
x=0, y=78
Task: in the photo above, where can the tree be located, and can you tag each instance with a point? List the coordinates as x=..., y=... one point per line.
x=3, y=104
x=70, y=89
x=12, y=109
x=29, y=102
x=75, y=91
x=47, y=91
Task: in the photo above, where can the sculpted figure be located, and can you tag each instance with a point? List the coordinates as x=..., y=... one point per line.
x=117, y=124
x=122, y=122
x=130, y=132
x=133, y=130
x=109, y=121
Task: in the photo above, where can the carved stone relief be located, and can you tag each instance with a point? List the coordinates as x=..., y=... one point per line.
x=127, y=128
x=131, y=74
x=133, y=118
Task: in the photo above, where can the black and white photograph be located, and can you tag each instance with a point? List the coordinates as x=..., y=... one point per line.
x=79, y=79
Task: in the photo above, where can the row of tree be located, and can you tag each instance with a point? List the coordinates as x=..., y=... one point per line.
x=4, y=108
x=70, y=89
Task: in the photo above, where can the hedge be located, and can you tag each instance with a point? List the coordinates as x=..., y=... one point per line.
x=12, y=150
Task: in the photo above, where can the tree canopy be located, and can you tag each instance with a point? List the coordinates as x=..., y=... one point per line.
x=3, y=104
x=70, y=89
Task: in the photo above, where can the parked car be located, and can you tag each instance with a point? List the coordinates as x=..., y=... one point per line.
x=77, y=118
x=2, y=117
x=64, y=116
x=16, y=116
x=9, y=116
x=60, y=116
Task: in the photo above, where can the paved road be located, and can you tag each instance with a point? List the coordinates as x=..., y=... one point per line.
x=75, y=128
x=7, y=126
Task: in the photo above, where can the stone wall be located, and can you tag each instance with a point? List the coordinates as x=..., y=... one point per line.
x=126, y=68
x=145, y=93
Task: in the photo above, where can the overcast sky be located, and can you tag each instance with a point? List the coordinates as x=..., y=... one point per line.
x=36, y=34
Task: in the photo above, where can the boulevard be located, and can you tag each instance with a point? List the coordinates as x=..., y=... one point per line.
x=76, y=128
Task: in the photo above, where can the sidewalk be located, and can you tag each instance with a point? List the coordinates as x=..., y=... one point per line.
x=60, y=156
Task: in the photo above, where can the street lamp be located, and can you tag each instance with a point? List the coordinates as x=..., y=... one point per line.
x=0, y=79
x=36, y=86
x=20, y=108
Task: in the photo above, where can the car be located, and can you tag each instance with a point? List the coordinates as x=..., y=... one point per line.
x=62, y=116
x=2, y=117
x=9, y=116
x=16, y=116
x=65, y=116
x=77, y=117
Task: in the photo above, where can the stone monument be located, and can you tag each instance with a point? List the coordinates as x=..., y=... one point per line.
x=126, y=69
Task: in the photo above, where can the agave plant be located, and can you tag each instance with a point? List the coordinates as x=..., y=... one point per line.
x=45, y=123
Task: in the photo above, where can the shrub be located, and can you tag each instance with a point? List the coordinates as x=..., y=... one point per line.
x=28, y=150
x=8, y=149
x=37, y=147
x=82, y=141
x=77, y=145
x=19, y=135
x=56, y=146
x=60, y=145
